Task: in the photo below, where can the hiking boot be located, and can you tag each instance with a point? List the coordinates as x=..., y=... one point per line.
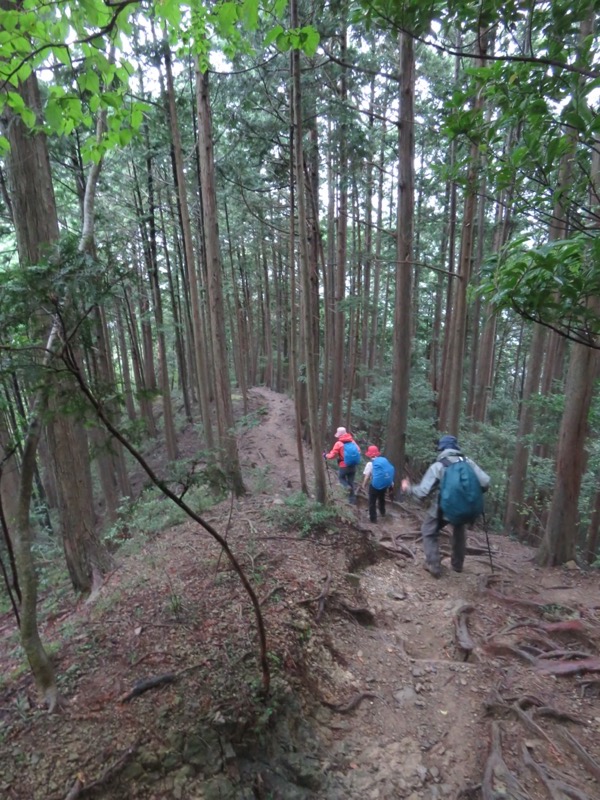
x=457, y=567
x=373, y=519
x=433, y=569
x=352, y=499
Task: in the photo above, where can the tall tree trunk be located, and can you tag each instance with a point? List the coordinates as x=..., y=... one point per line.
x=229, y=457
x=339, y=319
x=560, y=539
x=398, y=417
x=309, y=274
x=199, y=344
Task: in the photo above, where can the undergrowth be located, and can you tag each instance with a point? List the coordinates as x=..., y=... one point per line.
x=300, y=513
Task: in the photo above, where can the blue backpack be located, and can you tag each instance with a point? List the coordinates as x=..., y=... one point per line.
x=351, y=454
x=383, y=473
x=461, y=496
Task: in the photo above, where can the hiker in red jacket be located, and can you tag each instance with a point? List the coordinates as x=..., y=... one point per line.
x=347, y=453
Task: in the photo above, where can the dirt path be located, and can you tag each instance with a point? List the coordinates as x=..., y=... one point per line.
x=372, y=695
x=421, y=730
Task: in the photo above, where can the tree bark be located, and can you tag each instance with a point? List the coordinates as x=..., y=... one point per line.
x=398, y=417
x=229, y=457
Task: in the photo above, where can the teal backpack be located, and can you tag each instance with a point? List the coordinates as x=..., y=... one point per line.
x=461, y=496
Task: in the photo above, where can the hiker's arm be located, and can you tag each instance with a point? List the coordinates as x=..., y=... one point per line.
x=429, y=482
x=482, y=477
x=367, y=475
x=333, y=453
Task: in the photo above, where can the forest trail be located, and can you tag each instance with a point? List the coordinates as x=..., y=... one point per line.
x=388, y=683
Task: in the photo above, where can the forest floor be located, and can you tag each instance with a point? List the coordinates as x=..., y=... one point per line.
x=385, y=682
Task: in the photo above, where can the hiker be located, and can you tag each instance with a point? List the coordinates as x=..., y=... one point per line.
x=379, y=474
x=347, y=453
x=447, y=494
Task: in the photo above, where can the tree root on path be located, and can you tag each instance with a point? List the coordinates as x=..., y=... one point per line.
x=498, y=780
x=344, y=708
x=362, y=615
x=570, y=667
x=538, y=604
x=590, y=763
x=397, y=549
x=556, y=788
x=320, y=599
x=593, y=683
x=463, y=637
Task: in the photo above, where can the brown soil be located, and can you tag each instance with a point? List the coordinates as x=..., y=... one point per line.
x=373, y=696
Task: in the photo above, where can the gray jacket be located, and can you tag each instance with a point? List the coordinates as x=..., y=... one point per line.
x=432, y=478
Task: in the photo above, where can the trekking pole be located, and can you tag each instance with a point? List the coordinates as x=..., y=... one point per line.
x=487, y=539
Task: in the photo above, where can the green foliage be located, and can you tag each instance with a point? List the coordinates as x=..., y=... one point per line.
x=554, y=284
x=152, y=512
x=300, y=513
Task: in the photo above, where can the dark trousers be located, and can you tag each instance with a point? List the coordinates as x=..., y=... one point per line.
x=430, y=530
x=346, y=476
x=376, y=498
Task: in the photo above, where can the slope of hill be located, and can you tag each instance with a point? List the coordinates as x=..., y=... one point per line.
x=385, y=683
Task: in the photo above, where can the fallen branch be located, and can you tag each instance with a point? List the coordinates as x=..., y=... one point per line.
x=344, y=708
x=80, y=789
x=151, y=683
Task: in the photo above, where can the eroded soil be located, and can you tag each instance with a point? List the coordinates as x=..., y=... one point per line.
x=374, y=693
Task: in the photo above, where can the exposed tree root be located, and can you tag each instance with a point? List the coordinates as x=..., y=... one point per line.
x=362, y=615
x=503, y=649
x=398, y=548
x=570, y=654
x=590, y=763
x=270, y=594
x=498, y=781
x=463, y=637
x=557, y=789
x=320, y=599
x=344, y=708
x=591, y=684
x=570, y=667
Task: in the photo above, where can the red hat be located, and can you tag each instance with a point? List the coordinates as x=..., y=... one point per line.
x=372, y=451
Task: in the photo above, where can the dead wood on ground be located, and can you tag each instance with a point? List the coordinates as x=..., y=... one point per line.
x=344, y=708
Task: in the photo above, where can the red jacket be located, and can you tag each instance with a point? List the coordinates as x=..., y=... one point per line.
x=337, y=451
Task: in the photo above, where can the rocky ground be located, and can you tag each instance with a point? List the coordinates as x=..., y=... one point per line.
x=385, y=683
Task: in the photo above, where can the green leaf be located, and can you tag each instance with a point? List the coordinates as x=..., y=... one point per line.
x=272, y=35
x=309, y=39
x=249, y=14
x=53, y=115
x=28, y=117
